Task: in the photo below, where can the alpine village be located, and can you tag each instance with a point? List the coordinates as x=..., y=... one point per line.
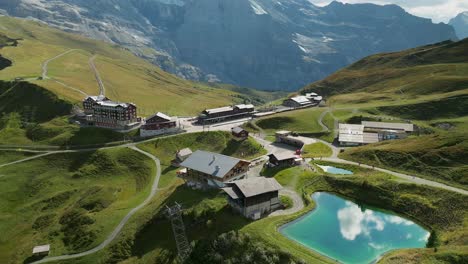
x=237, y=132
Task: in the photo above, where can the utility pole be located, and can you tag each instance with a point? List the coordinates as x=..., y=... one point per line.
x=174, y=214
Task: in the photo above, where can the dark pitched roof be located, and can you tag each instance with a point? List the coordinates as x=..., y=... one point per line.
x=237, y=130
x=252, y=187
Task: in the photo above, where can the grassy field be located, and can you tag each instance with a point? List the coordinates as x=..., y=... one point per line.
x=305, y=120
x=126, y=77
x=10, y=156
x=71, y=201
x=317, y=150
x=440, y=157
x=422, y=74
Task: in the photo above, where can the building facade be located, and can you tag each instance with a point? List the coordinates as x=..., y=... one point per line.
x=216, y=115
x=372, y=132
x=204, y=169
x=286, y=137
x=297, y=102
x=254, y=197
x=102, y=112
x=158, y=124
x=239, y=133
x=90, y=101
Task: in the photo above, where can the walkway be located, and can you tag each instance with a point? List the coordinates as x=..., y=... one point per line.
x=45, y=71
x=123, y=222
x=410, y=178
x=298, y=203
x=102, y=88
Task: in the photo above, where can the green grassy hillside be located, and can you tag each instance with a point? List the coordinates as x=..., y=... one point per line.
x=71, y=201
x=427, y=85
x=440, y=157
x=32, y=115
x=126, y=77
x=425, y=73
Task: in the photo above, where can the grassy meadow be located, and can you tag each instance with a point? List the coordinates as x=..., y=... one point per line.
x=72, y=201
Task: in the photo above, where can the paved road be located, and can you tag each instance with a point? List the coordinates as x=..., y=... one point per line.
x=102, y=88
x=406, y=177
x=298, y=203
x=122, y=223
x=410, y=178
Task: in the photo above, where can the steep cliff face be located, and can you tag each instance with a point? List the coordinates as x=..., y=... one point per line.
x=258, y=43
x=460, y=23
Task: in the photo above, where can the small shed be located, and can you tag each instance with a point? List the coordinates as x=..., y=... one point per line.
x=41, y=250
x=239, y=132
x=254, y=197
x=181, y=156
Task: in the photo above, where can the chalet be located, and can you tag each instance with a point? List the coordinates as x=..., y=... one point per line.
x=239, y=133
x=226, y=113
x=283, y=159
x=158, y=124
x=254, y=197
x=297, y=102
x=372, y=132
x=286, y=137
x=181, y=156
x=41, y=251
x=90, y=101
x=211, y=170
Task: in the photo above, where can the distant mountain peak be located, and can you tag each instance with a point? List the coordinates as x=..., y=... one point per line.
x=460, y=23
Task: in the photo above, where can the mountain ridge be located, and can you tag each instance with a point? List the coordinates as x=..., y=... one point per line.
x=460, y=23
x=253, y=43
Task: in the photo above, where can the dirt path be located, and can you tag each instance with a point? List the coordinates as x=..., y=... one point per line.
x=122, y=223
x=45, y=71
x=92, y=65
x=45, y=64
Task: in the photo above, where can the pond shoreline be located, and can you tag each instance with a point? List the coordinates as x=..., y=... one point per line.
x=380, y=215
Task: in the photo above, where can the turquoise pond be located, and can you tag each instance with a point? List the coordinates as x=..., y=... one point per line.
x=335, y=170
x=349, y=233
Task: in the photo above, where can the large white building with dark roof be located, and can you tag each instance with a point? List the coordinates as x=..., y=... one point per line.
x=372, y=132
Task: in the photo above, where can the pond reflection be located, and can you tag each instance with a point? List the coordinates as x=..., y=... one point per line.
x=349, y=233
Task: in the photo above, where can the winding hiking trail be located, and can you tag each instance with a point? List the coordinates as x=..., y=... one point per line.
x=92, y=65
x=45, y=71
x=122, y=223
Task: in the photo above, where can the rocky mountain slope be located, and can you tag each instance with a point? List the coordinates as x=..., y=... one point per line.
x=255, y=43
x=460, y=23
